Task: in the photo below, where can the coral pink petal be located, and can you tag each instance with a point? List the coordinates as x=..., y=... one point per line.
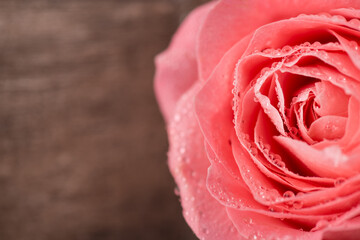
x=261, y=187
x=352, y=131
x=328, y=162
x=227, y=190
x=253, y=225
x=326, y=73
x=176, y=68
x=331, y=100
x=214, y=113
x=233, y=193
x=351, y=48
x=328, y=127
x=280, y=168
x=339, y=60
x=231, y=28
x=347, y=12
x=188, y=163
x=349, y=231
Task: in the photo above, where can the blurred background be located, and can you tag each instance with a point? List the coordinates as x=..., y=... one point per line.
x=82, y=143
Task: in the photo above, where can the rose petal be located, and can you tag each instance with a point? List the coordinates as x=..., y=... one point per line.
x=293, y=180
x=215, y=113
x=347, y=12
x=351, y=48
x=328, y=127
x=176, y=68
x=258, y=226
x=231, y=29
x=352, y=132
x=188, y=163
x=329, y=162
x=331, y=100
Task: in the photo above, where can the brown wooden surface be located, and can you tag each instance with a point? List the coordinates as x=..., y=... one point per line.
x=82, y=143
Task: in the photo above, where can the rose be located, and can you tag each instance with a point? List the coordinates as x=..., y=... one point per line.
x=262, y=107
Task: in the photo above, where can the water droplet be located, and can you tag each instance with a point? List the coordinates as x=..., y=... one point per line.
x=248, y=221
x=286, y=49
x=338, y=18
x=316, y=44
x=355, y=23
x=253, y=150
x=288, y=194
x=205, y=231
x=306, y=44
x=275, y=65
x=290, y=59
x=264, y=71
x=321, y=224
x=325, y=14
x=268, y=50
x=339, y=181
x=354, y=45
x=298, y=204
x=255, y=236
x=279, y=163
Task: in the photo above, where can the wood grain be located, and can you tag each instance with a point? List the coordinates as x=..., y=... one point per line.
x=82, y=143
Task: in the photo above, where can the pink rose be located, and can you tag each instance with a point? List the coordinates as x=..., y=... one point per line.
x=262, y=105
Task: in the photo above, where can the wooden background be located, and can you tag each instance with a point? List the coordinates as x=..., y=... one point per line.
x=82, y=143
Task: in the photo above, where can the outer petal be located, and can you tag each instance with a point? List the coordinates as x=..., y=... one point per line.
x=231, y=20
x=176, y=68
x=188, y=163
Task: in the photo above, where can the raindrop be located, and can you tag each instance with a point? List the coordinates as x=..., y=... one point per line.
x=338, y=18
x=288, y=194
x=275, y=65
x=255, y=236
x=286, y=49
x=316, y=44
x=253, y=150
x=268, y=50
x=339, y=181
x=321, y=224
x=355, y=23
x=279, y=163
x=306, y=44
x=302, y=15
x=298, y=204
x=290, y=59
x=264, y=70
x=205, y=230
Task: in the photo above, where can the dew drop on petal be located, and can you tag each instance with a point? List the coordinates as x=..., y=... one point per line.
x=321, y=224
x=355, y=23
x=316, y=44
x=288, y=194
x=286, y=49
x=339, y=181
x=298, y=204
